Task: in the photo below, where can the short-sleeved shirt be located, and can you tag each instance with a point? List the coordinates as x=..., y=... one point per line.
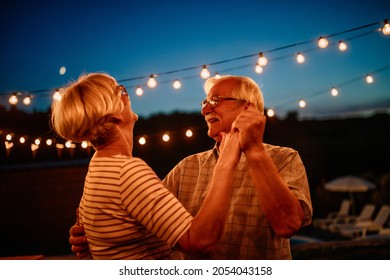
x=128, y=213
x=247, y=235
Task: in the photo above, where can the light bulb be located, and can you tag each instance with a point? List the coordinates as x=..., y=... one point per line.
x=27, y=100
x=369, y=79
x=139, y=91
x=262, y=61
x=22, y=140
x=323, y=43
x=49, y=142
x=300, y=58
x=84, y=144
x=37, y=141
x=217, y=75
x=270, y=113
x=176, y=84
x=57, y=95
x=258, y=69
x=152, y=83
x=302, y=103
x=13, y=100
x=165, y=137
x=189, y=133
x=205, y=74
x=62, y=70
x=343, y=46
x=334, y=92
x=386, y=28
x=142, y=140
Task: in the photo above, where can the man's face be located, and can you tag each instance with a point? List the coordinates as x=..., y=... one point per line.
x=220, y=118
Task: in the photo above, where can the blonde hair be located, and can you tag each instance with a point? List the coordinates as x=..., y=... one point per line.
x=87, y=109
x=244, y=88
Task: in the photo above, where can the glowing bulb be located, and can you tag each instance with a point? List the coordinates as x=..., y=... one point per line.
x=300, y=58
x=189, y=133
x=270, y=113
x=205, y=74
x=152, y=83
x=262, y=61
x=386, y=28
x=142, y=140
x=258, y=69
x=8, y=137
x=334, y=92
x=176, y=84
x=369, y=79
x=217, y=75
x=13, y=99
x=323, y=43
x=37, y=141
x=49, y=142
x=343, y=46
x=84, y=144
x=139, y=91
x=302, y=103
x=27, y=100
x=165, y=137
x=57, y=95
x=62, y=70
x=22, y=140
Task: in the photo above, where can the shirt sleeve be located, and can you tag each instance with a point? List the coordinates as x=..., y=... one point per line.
x=151, y=203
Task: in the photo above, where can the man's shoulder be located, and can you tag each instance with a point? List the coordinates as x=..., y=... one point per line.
x=274, y=150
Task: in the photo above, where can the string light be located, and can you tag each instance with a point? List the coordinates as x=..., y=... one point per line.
x=189, y=133
x=84, y=144
x=139, y=91
x=262, y=61
x=259, y=69
x=142, y=140
x=9, y=137
x=49, y=142
x=270, y=113
x=57, y=95
x=37, y=141
x=217, y=75
x=13, y=100
x=302, y=103
x=22, y=140
x=166, y=137
x=176, y=84
x=343, y=46
x=323, y=42
x=369, y=79
x=27, y=100
x=386, y=27
x=300, y=58
x=334, y=92
x=205, y=74
x=152, y=82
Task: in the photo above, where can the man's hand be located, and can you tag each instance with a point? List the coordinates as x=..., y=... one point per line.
x=250, y=124
x=79, y=241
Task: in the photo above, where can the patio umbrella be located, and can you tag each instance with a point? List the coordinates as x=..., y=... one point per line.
x=350, y=184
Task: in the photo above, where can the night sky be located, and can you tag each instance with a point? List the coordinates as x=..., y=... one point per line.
x=134, y=39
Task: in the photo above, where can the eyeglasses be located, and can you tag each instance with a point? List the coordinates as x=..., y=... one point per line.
x=123, y=90
x=215, y=100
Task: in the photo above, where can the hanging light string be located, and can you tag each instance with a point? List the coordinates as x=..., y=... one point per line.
x=152, y=82
x=327, y=90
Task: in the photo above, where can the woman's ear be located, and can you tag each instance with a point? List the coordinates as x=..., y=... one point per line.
x=117, y=119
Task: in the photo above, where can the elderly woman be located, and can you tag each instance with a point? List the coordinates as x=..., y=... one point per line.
x=126, y=211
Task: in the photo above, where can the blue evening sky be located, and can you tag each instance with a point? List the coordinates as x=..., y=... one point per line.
x=130, y=39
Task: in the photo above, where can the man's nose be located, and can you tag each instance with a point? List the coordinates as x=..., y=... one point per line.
x=207, y=109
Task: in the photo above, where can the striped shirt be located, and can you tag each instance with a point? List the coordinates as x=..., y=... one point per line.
x=127, y=213
x=247, y=233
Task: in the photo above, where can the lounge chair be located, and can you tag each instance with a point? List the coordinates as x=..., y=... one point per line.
x=361, y=229
x=365, y=215
x=333, y=216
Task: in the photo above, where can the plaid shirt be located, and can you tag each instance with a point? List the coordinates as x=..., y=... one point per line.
x=247, y=234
